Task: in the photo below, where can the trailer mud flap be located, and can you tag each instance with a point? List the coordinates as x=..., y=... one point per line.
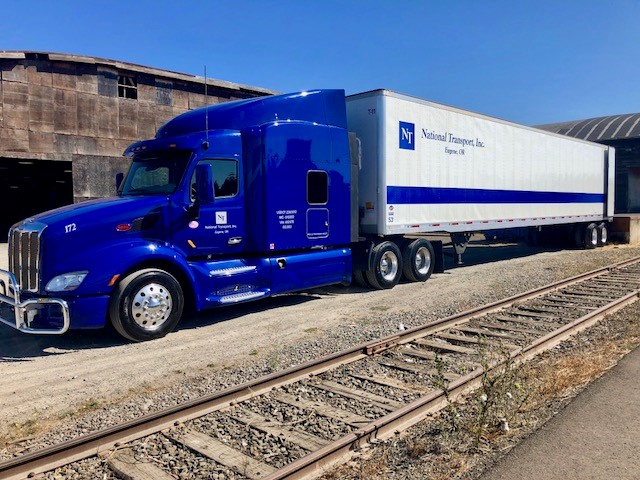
x=438, y=255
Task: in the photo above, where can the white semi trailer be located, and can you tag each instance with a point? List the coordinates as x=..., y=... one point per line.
x=426, y=168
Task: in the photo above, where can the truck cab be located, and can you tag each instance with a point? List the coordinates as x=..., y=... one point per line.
x=228, y=203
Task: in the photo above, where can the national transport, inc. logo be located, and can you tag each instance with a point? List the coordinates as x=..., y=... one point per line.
x=407, y=136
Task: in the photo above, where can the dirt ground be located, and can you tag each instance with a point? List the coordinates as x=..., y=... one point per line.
x=46, y=375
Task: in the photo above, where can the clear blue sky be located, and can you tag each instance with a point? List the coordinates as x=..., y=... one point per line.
x=531, y=62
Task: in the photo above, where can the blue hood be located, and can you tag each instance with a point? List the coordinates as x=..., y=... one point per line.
x=86, y=233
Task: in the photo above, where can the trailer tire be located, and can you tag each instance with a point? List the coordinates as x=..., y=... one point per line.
x=146, y=304
x=418, y=260
x=387, y=266
x=603, y=234
x=591, y=236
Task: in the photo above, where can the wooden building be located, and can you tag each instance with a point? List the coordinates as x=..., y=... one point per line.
x=65, y=121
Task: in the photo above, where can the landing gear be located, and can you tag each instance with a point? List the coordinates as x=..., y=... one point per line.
x=460, y=242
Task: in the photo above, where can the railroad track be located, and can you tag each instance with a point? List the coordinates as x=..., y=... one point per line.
x=294, y=423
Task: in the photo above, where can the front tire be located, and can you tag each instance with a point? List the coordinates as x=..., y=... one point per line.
x=146, y=304
x=387, y=266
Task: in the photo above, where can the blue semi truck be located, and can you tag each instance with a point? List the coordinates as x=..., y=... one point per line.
x=243, y=200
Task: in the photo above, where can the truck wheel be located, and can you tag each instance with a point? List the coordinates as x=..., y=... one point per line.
x=387, y=266
x=417, y=260
x=591, y=236
x=603, y=234
x=360, y=279
x=146, y=304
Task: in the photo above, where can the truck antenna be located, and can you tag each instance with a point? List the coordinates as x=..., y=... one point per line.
x=206, y=111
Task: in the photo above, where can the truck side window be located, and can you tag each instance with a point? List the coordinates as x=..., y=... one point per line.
x=317, y=187
x=225, y=178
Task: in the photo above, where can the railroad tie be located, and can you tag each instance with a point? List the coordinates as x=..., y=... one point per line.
x=124, y=464
x=360, y=395
x=277, y=429
x=444, y=346
x=221, y=453
x=415, y=368
x=323, y=409
x=393, y=383
x=474, y=340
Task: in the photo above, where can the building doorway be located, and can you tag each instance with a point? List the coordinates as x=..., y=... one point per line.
x=28, y=187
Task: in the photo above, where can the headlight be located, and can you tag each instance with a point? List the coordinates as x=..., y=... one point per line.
x=66, y=282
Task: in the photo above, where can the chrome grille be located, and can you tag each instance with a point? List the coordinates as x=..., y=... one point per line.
x=24, y=254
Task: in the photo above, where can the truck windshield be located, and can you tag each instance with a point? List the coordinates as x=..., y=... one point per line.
x=155, y=174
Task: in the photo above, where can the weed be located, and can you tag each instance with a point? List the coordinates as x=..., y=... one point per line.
x=492, y=407
x=27, y=428
x=274, y=361
x=500, y=397
x=89, y=405
x=441, y=382
x=379, y=308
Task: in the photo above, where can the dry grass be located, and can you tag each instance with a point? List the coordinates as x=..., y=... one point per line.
x=562, y=377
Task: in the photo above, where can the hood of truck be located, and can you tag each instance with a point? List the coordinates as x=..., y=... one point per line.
x=97, y=217
x=78, y=237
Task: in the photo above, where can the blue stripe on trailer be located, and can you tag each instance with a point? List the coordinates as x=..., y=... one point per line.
x=435, y=195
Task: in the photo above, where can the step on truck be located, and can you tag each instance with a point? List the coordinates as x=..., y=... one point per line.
x=247, y=199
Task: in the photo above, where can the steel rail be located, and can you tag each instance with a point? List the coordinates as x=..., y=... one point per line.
x=421, y=408
x=49, y=458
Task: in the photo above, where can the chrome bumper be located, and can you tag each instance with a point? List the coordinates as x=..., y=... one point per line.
x=24, y=312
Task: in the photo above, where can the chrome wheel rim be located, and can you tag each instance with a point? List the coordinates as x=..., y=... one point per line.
x=603, y=235
x=152, y=306
x=389, y=266
x=422, y=260
x=594, y=236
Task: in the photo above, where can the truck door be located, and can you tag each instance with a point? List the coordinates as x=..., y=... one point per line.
x=220, y=227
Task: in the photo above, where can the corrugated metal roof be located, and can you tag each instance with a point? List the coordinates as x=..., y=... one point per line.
x=600, y=129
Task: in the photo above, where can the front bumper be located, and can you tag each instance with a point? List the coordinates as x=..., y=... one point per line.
x=26, y=315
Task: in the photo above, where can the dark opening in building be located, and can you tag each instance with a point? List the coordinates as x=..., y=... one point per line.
x=28, y=187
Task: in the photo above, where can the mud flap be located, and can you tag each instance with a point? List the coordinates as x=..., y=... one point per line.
x=438, y=255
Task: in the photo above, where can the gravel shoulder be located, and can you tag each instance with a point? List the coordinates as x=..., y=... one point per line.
x=60, y=387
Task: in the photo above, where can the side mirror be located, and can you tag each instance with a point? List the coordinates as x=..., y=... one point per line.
x=119, y=179
x=203, y=189
x=204, y=184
